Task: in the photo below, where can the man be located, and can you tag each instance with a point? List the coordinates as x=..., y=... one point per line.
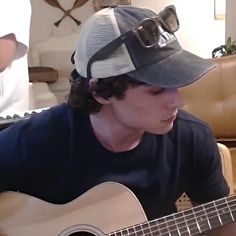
x=14, y=41
x=122, y=122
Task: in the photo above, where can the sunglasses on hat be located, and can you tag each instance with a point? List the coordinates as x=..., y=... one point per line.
x=147, y=31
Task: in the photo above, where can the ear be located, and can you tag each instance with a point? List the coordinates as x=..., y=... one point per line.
x=101, y=100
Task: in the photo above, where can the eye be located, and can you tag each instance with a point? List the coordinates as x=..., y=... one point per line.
x=157, y=91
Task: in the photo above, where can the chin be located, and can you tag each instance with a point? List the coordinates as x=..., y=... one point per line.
x=162, y=130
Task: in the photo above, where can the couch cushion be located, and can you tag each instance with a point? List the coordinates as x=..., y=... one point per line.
x=213, y=97
x=59, y=60
x=42, y=74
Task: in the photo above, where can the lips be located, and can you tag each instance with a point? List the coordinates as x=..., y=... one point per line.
x=170, y=119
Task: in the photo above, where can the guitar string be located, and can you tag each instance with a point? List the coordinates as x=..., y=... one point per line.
x=159, y=225
x=191, y=219
x=183, y=217
x=166, y=229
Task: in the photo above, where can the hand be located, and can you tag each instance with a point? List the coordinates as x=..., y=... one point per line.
x=8, y=46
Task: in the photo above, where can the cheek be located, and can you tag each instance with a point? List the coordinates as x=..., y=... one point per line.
x=134, y=108
x=126, y=114
x=146, y=108
x=138, y=114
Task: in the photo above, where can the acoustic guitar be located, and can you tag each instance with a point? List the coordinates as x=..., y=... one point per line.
x=106, y=209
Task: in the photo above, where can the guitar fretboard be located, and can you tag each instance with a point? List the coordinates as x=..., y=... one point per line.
x=189, y=222
x=11, y=118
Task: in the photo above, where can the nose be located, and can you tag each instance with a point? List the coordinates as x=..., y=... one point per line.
x=175, y=99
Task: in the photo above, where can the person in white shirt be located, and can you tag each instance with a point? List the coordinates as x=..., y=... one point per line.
x=15, y=17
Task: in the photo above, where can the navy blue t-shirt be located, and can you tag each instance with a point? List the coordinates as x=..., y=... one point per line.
x=56, y=157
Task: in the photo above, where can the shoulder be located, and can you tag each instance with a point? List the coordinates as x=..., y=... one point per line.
x=43, y=121
x=192, y=131
x=57, y=119
x=52, y=129
x=186, y=118
x=54, y=116
x=189, y=123
x=18, y=23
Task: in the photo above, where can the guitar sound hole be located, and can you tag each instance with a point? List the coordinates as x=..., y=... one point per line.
x=81, y=233
x=82, y=230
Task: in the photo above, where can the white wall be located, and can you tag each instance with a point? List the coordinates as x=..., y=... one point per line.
x=199, y=32
x=230, y=27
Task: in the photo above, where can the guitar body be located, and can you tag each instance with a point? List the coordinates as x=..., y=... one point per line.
x=103, y=209
x=109, y=208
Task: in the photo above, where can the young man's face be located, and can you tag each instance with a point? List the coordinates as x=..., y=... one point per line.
x=147, y=108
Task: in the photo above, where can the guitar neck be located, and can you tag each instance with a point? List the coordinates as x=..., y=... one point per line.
x=189, y=222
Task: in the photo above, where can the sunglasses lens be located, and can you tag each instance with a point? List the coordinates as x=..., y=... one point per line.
x=170, y=18
x=148, y=33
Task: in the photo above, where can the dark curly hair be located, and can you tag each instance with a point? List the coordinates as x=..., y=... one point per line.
x=81, y=93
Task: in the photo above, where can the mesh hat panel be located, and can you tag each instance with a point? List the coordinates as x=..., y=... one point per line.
x=97, y=34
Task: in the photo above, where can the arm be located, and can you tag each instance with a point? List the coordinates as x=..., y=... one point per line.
x=8, y=46
x=226, y=230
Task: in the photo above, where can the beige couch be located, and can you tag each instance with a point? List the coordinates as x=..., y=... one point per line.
x=46, y=91
x=213, y=98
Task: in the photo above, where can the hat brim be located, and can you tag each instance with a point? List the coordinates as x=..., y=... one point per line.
x=177, y=70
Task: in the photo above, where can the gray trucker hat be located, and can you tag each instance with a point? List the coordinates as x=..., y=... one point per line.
x=166, y=64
